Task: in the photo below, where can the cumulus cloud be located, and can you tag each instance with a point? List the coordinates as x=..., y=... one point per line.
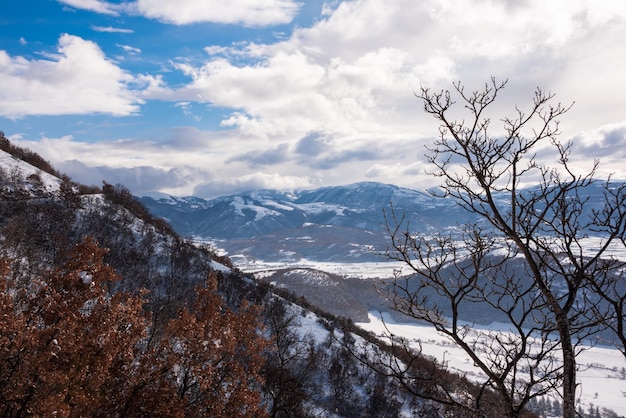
x=171, y=166
x=139, y=179
x=287, y=94
x=247, y=12
x=79, y=79
x=606, y=143
x=324, y=152
x=184, y=12
x=312, y=144
x=342, y=89
x=390, y=172
x=264, y=157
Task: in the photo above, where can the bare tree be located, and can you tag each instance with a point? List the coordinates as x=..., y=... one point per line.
x=527, y=259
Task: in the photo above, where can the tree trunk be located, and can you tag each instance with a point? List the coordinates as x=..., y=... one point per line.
x=569, y=367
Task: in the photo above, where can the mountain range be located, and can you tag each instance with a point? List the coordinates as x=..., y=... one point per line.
x=343, y=224
x=310, y=241
x=339, y=224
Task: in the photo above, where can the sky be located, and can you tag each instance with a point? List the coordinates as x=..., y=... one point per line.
x=215, y=97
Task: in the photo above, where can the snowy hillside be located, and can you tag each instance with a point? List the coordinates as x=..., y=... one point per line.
x=19, y=173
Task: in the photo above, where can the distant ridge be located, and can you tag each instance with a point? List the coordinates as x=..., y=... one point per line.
x=336, y=223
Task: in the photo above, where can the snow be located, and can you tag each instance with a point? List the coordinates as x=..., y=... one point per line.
x=10, y=164
x=85, y=277
x=601, y=378
x=276, y=205
x=239, y=204
x=220, y=267
x=368, y=270
x=319, y=207
x=591, y=245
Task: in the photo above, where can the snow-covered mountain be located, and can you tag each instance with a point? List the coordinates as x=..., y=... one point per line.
x=44, y=216
x=341, y=223
x=330, y=224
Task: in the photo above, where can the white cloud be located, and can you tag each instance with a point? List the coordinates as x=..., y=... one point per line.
x=357, y=69
x=110, y=29
x=287, y=94
x=184, y=12
x=352, y=75
x=178, y=165
x=79, y=79
x=97, y=6
x=130, y=49
x=247, y=12
x=253, y=181
x=336, y=99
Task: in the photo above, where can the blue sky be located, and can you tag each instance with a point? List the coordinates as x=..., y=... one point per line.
x=216, y=97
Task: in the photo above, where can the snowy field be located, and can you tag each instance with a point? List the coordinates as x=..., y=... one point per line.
x=602, y=374
x=382, y=269
x=369, y=270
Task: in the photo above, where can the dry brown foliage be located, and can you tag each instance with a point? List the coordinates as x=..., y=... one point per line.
x=70, y=347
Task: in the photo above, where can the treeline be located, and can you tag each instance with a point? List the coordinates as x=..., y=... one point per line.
x=120, y=195
x=422, y=380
